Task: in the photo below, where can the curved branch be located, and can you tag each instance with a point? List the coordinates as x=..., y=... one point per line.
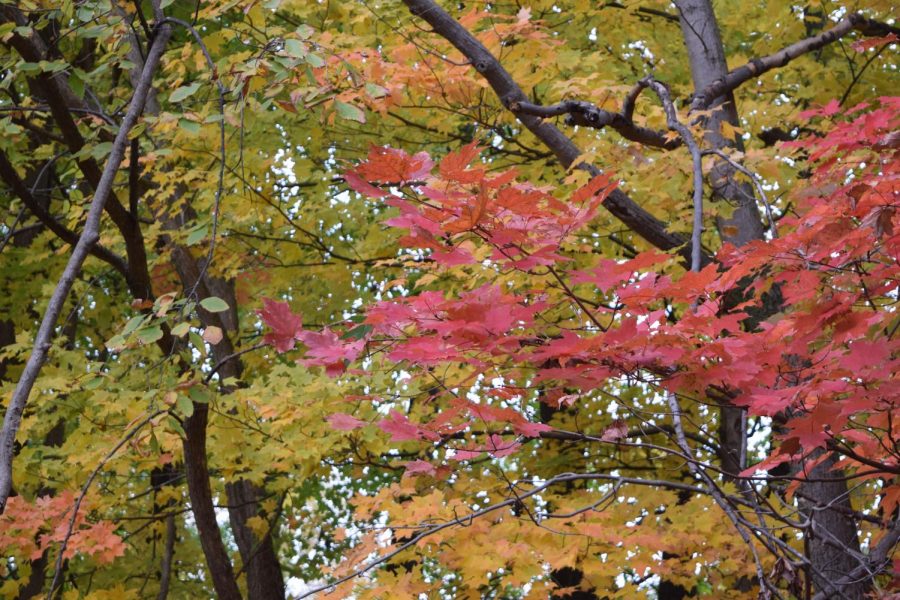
x=681, y=129
x=587, y=115
x=514, y=500
x=57, y=569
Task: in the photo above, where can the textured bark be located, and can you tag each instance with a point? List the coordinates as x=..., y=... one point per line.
x=832, y=541
x=197, y=475
x=264, y=580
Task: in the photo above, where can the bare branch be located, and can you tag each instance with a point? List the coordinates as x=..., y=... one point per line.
x=755, y=179
x=675, y=125
x=57, y=569
x=587, y=115
x=9, y=176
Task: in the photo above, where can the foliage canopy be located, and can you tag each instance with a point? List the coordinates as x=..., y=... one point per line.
x=405, y=299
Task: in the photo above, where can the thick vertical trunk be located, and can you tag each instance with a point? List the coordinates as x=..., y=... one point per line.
x=832, y=538
x=707, y=58
x=197, y=475
x=832, y=541
x=264, y=578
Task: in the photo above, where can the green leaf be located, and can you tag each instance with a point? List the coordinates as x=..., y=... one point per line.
x=357, y=333
x=191, y=127
x=184, y=405
x=76, y=82
x=150, y=334
x=196, y=234
x=197, y=342
x=133, y=323
x=214, y=304
x=101, y=150
x=184, y=92
x=199, y=394
x=176, y=426
x=295, y=48
x=181, y=329
x=349, y=111
x=315, y=61
x=93, y=383
x=376, y=91
x=116, y=343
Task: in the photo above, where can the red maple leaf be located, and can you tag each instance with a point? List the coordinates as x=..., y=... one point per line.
x=344, y=422
x=287, y=327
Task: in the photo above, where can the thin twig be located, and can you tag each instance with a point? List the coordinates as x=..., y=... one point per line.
x=57, y=570
x=220, y=88
x=756, y=182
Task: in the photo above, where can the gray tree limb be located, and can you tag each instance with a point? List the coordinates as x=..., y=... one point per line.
x=756, y=67
x=89, y=237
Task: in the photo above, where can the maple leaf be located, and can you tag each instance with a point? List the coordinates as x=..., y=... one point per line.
x=391, y=165
x=344, y=422
x=286, y=326
x=420, y=467
x=362, y=186
x=498, y=447
x=529, y=429
x=866, y=44
x=402, y=429
x=325, y=348
x=617, y=430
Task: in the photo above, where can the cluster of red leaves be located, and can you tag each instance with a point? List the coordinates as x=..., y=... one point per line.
x=31, y=528
x=824, y=358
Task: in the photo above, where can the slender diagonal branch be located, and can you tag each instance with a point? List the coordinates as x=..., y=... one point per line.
x=756, y=183
x=89, y=237
x=758, y=66
x=11, y=178
x=57, y=570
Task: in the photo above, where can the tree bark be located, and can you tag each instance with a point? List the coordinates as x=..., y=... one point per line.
x=197, y=474
x=832, y=540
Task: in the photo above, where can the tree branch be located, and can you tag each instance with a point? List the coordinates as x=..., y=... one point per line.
x=758, y=66
x=618, y=203
x=587, y=115
x=89, y=237
x=675, y=125
x=9, y=176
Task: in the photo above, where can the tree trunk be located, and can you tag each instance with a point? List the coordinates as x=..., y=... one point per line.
x=832, y=540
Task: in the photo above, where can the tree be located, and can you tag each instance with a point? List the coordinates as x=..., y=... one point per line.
x=482, y=300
